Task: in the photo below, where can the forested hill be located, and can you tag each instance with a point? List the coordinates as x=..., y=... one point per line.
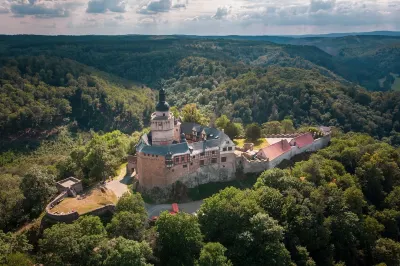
x=46, y=79
x=40, y=93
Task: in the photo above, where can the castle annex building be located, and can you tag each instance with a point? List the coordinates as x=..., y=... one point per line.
x=186, y=152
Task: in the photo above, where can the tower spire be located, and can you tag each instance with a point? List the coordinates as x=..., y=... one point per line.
x=162, y=105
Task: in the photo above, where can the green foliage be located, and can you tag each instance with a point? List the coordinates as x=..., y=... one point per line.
x=253, y=131
x=11, y=198
x=37, y=185
x=124, y=252
x=190, y=113
x=102, y=156
x=179, y=239
x=212, y=254
x=387, y=251
x=43, y=92
x=129, y=225
x=131, y=202
x=72, y=244
x=11, y=245
x=222, y=122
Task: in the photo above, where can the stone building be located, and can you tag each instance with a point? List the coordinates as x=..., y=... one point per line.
x=185, y=152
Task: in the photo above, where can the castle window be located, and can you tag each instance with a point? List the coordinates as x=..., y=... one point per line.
x=213, y=152
x=182, y=158
x=176, y=159
x=202, y=154
x=163, y=114
x=201, y=162
x=185, y=166
x=191, y=163
x=227, y=142
x=152, y=155
x=229, y=148
x=224, y=149
x=214, y=160
x=194, y=157
x=156, y=156
x=223, y=159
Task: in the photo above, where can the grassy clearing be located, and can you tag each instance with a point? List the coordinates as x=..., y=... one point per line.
x=258, y=144
x=207, y=190
x=93, y=200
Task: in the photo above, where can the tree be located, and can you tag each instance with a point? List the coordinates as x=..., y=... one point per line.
x=129, y=225
x=175, y=111
x=11, y=198
x=179, y=239
x=272, y=127
x=387, y=251
x=393, y=199
x=302, y=257
x=222, y=122
x=271, y=200
x=11, y=245
x=355, y=199
x=213, y=254
x=17, y=259
x=233, y=130
x=72, y=244
x=261, y=243
x=123, y=252
x=253, y=131
x=131, y=202
x=37, y=186
x=287, y=126
x=190, y=113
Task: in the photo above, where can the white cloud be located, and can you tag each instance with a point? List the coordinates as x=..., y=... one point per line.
x=102, y=6
x=222, y=12
x=249, y=17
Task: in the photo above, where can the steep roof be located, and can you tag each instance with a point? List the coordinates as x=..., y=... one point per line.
x=275, y=150
x=302, y=140
x=145, y=147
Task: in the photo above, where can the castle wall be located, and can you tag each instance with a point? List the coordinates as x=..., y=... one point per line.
x=258, y=166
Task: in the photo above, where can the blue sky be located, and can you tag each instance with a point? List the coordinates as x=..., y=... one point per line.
x=200, y=17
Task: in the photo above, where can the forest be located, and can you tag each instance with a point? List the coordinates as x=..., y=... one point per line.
x=77, y=105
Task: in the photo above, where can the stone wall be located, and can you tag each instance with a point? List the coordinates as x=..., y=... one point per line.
x=66, y=217
x=258, y=166
x=102, y=210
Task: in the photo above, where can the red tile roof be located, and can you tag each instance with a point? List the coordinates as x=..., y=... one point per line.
x=302, y=140
x=275, y=150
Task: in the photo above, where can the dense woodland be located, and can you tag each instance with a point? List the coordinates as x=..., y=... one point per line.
x=339, y=207
x=77, y=106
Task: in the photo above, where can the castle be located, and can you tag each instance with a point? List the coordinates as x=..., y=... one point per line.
x=193, y=154
x=186, y=152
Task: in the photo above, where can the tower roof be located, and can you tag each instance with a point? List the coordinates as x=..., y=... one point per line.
x=162, y=105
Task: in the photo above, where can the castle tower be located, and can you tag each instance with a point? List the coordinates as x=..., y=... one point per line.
x=162, y=122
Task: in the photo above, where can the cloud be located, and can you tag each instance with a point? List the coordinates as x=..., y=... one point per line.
x=42, y=9
x=222, y=12
x=156, y=6
x=4, y=10
x=317, y=5
x=102, y=6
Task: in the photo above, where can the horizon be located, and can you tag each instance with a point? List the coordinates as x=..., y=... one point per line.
x=330, y=34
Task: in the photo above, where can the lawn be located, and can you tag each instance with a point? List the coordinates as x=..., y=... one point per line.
x=207, y=190
x=258, y=144
x=90, y=201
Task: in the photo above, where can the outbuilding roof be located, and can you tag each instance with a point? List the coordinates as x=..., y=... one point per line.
x=302, y=140
x=275, y=150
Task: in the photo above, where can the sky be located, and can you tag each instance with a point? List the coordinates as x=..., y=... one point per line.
x=197, y=17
